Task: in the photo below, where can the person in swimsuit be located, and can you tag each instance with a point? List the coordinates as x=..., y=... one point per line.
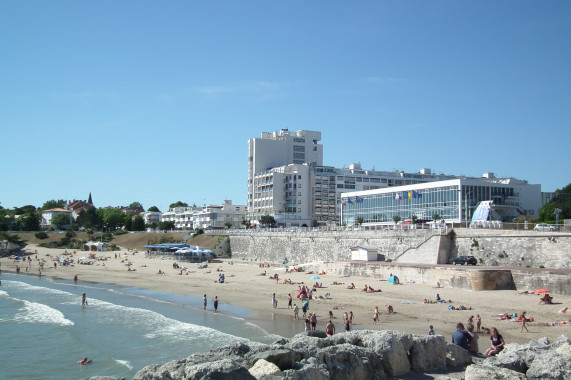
x=216, y=304
x=205, y=301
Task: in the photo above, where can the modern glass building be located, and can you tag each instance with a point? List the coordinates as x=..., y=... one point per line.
x=453, y=200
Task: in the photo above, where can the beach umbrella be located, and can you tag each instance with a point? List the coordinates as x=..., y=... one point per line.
x=539, y=291
x=314, y=278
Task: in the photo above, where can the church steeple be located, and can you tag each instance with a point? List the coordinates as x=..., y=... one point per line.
x=90, y=201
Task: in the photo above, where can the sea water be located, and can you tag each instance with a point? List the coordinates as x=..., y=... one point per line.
x=44, y=330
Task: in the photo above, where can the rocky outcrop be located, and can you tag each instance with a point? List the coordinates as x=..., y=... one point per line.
x=539, y=359
x=364, y=354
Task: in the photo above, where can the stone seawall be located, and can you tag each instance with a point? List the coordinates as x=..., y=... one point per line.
x=491, y=247
x=407, y=246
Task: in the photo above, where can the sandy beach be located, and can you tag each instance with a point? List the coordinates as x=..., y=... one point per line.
x=245, y=287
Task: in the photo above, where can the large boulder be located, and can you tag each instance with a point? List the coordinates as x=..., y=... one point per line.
x=307, y=346
x=427, y=353
x=281, y=356
x=550, y=365
x=220, y=370
x=392, y=348
x=263, y=369
x=350, y=362
x=478, y=372
x=514, y=360
x=308, y=369
x=457, y=356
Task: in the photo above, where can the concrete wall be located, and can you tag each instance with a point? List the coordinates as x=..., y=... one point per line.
x=491, y=247
x=513, y=248
x=474, y=278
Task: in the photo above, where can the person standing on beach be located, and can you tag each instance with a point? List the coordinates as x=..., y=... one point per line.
x=431, y=330
x=274, y=301
x=215, y=304
x=205, y=301
x=295, y=312
x=351, y=318
x=289, y=301
x=346, y=322
x=478, y=323
x=313, y=320
x=75, y=279
x=83, y=300
x=330, y=328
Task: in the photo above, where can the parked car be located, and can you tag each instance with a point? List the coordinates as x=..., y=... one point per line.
x=543, y=227
x=465, y=260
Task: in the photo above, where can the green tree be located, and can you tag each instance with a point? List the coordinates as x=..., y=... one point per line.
x=154, y=208
x=136, y=204
x=112, y=218
x=166, y=226
x=24, y=209
x=30, y=221
x=127, y=223
x=61, y=220
x=138, y=223
x=435, y=217
x=90, y=219
x=178, y=204
x=396, y=219
x=414, y=218
x=228, y=225
x=562, y=200
x=268, y=221
x=53, y=204
x=246, y=223
x=359, y=220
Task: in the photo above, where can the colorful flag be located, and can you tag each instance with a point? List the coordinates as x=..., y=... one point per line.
x=409, y=194
x=404, y=195
x=358, y=199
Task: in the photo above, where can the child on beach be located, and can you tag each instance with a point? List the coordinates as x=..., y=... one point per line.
x=295, y=312
x=307, y=324
x=205, y=301
x=274, y=301
x=431, y=330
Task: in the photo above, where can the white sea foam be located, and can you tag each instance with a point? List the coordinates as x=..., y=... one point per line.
x=3, y=294
x=33, y=312
x=124, y=363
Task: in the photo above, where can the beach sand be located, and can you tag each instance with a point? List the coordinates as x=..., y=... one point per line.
x=246, y=288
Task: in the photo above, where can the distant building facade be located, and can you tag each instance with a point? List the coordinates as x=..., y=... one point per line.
x=207, y=216
x=452, y=200
x=48, y=215
x=298, y=190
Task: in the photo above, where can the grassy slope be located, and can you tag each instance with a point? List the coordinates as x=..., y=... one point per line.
x=131, y=241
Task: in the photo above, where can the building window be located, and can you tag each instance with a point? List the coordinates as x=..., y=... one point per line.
x=299, y=148
x=298, y=140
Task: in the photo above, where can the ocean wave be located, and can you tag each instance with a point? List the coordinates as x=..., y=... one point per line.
x=4, y=294
x=33, y=312
x=124, y=363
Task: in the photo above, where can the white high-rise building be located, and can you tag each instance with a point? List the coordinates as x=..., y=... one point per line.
x=275, y=149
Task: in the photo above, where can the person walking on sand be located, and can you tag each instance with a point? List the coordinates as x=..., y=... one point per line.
x=289, y=301
x=215, y=304
x=75, y=279
x=83, y=300
x=313, y=320
x=295, y=312
x=478, y=323
x=524, y=323
x=205, y=300
x=274, y=301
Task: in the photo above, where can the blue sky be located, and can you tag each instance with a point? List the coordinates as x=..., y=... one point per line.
x=154, y=101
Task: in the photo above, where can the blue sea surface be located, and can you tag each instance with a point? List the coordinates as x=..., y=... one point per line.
x=44, y=330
